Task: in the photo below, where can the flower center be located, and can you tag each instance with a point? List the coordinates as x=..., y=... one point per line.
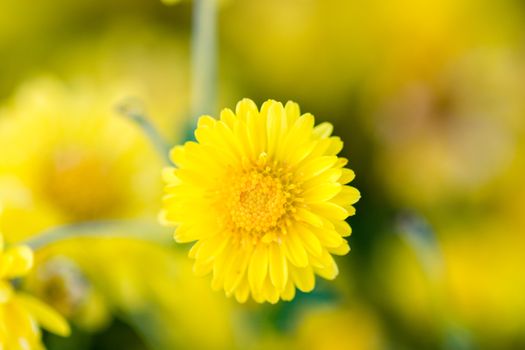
x=256, y=201
x=81, y=185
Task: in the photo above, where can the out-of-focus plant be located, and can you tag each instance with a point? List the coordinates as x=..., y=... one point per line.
x=458, y=132
x=329, y=52
x=146, y=281
x=69, y=158
x=338, y=327
x=21, y=314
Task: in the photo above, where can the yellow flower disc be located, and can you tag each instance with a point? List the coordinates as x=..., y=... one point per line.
x=264, y=195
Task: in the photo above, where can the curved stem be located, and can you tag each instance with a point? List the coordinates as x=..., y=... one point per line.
x=136, y=229
x=133, y=110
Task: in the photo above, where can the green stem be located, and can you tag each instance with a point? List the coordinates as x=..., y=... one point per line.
x=135, y=229
x=203, y=89
x=133, y=110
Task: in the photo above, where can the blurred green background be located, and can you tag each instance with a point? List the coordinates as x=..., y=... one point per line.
x=428, y=97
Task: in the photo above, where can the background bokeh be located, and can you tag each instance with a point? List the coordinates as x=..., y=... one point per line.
x=428, y=97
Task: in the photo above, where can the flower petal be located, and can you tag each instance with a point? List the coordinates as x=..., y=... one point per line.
x=21, y=261
x=258, y=267
x=321, y=193
x=303, y=278
x=48, y=318
x=278, y=267
x=294, y=249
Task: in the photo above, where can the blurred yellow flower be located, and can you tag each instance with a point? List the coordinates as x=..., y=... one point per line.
x=83, y=162
x=264, y=195
x=20, y=312
x=453, y=135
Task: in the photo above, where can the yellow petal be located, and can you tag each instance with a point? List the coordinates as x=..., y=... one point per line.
x=219, y=268
x=298, y=135
x=276, y=125
x=329, y=210
x=258, y=267
x=330, y=176
x=227, y=139
x=228, y=117
x=327, y=237
x=294, y=249
x=320, y=148
x=186, y=234
x=310, y=241
x=6, y=291
x=216, y=145
x=245, y=106
x=321, y=193
x=206, y=121
x=314, y=167
x=289, y=291
x=202, y=268
x=19, y=324
x=278, y=267
x=303, y=278
x=292, y=112
x=343, y=249
x=335, y=146
x=323, y=130
x=193, y=250
x=178, y=155
x=270, y=292
x=347, y=195
x=211, y=247
x=350, y=209
x=330, y=270
x=243, y=291
x=307, y=216
x=343, y=228
x=240, y=131
x=237, y=269
x=21, y=261
x=296, y=155
x=5, y=264
x=256, y=133
x=48, y=318
x=347, y=176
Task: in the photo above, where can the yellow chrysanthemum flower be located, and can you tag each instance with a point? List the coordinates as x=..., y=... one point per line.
x=20, y=313
x=264, y=195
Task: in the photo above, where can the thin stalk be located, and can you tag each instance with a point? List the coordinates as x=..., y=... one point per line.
x=204, y=58
x=133, y=110
x=136, y=229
